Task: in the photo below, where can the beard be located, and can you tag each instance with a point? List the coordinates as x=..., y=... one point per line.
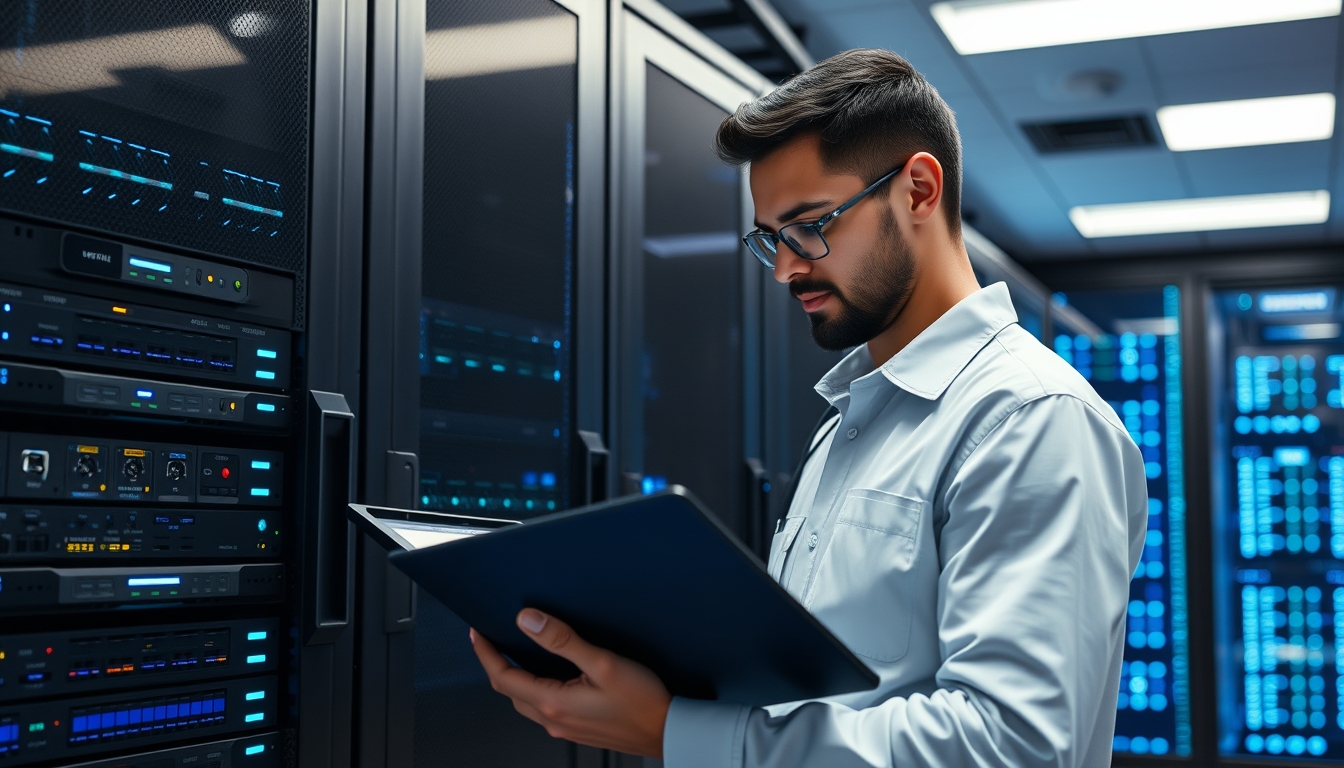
x=881, y=286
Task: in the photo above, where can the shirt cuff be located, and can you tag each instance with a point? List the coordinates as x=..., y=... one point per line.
x=704, y=734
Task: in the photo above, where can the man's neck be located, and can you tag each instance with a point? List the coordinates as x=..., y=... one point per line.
x=938, y=286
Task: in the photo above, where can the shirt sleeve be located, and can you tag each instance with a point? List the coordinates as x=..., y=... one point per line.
x=1036, y=555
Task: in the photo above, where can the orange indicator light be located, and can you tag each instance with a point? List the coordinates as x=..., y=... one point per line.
x=119, y=310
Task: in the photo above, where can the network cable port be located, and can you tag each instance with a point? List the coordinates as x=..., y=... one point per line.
x=36, y=463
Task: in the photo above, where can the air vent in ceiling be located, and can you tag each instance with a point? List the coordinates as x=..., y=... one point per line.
x=1106, y=133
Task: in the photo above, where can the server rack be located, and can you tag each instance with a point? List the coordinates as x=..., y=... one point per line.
x=174, y=559
x=1201, y=281
x=485, y=305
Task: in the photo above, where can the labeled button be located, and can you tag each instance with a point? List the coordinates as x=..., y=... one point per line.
x=88, y=393
x=852, y=433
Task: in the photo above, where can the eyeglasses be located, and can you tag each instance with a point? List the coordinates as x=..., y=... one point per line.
x=804, y=237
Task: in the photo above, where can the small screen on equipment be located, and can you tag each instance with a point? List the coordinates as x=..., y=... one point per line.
x=421, y=535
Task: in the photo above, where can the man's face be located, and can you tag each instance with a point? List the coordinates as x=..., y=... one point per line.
x=856, y=291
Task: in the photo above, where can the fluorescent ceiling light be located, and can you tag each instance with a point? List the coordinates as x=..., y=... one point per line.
x=1249, y=122
x=509, y=46
x=982, y=26
x=86, y=65
x=1201, y=214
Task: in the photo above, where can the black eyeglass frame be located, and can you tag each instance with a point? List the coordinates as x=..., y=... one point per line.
x=761, y=243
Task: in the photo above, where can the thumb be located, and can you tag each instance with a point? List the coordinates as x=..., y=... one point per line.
x=557, y=637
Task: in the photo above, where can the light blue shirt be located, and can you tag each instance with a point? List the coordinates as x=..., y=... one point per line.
x=968, y=529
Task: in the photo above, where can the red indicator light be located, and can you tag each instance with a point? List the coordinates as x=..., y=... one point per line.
x=48, y=651
x=224, y=473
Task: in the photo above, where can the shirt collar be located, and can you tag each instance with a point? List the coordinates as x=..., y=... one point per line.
x=930, y=362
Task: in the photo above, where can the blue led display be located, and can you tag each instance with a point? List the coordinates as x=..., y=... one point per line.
x=1132, y=357
x=127, y=720
x=1278, y=502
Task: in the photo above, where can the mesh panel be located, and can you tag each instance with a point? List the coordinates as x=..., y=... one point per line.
x=184, y=124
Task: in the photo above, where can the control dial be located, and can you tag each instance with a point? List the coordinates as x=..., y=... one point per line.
x=86, y=466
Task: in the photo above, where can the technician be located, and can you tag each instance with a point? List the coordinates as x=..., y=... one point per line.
x=969, y=521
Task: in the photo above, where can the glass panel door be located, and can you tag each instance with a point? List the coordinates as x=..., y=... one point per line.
x=500, y=112
x=683, y=408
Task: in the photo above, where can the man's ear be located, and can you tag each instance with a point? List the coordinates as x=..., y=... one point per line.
x=925, y=191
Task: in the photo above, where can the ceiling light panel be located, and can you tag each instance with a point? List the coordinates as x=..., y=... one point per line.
x=1249, y=122
x=977, y=26
x=1201, y=214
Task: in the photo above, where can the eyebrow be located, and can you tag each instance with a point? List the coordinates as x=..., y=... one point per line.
x=797, y=211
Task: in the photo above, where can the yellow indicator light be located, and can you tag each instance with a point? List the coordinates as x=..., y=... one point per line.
x=88, y=449
x=119, y=310
x=102, y=487
x=2, y=655
x=146, y=489
x=132, y=452
x=210, y=278
x=233, y=406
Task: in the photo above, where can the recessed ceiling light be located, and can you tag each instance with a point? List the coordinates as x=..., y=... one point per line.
x=1249, y=122
x=977, y=26
x=1201, y=214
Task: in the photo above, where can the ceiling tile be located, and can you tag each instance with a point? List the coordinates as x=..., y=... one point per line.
x=1116, y=176
x=1257, y=170
x=1245, y=48
x=1267, y=237
x=1316, y=76
x=1148, y=244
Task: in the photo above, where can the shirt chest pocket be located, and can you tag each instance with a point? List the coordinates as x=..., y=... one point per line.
x=866, y=582
x=779, y=547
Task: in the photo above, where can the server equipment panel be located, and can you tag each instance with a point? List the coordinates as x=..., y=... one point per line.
x=1278, y=482
x=81, y=662
x=66, y=729
x=1133, y=359
x=260, y=751
x=67, y=534
x=29, y=589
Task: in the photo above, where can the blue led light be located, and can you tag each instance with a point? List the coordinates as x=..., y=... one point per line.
x=145, y=394
x=255, y=749
x=114, y=173
x=261, y=491
x=256, y=635
x=255, y=695
x=254, y=717
x=1296, y=301
x=268, y=375
x=261, y=526
x=29, y=153
x=257, y=658
x=154, y=581
x=266, y=353
x=266, y=407
x=258, y=464
x=156, y=266
x=251, y=207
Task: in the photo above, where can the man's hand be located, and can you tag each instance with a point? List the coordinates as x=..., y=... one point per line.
x=614, y=703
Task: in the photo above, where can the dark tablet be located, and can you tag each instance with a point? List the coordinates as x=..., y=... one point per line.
x=653, y=578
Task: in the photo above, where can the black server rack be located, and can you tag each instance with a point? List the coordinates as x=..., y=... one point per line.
x=174, y=564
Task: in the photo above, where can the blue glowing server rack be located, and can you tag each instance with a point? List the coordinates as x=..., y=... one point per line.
x=1132, y=356
x=1278, y=514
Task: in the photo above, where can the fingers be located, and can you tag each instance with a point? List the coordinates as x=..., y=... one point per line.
x=557, y=637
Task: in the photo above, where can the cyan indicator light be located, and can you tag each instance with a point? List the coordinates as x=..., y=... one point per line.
x=136, y=261
x=29, y=153
x=268, y=375
x=261, y=491
x=261, y=464
x=257, y=658
x=254, y=717
x=255, y=695
x=256, y=635
x=154, y=581
x=269, y=354
x=261, y=526
x=266, y=407
x=255, y=749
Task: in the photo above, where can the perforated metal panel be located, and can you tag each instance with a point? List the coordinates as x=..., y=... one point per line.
x=183, y=124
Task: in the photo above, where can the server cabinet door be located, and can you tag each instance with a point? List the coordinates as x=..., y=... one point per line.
x=486, y=221
x=688, y=313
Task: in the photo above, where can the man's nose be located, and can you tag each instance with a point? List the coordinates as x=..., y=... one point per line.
x=789, y=264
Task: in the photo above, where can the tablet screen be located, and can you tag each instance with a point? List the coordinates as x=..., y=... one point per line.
x=421, y=535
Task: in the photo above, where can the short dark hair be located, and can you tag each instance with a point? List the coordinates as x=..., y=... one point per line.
x=871, y=110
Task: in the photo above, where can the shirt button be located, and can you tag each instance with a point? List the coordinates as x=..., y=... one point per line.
x=812, y=541
x=853, y=433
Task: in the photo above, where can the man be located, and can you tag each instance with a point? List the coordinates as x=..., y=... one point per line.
x=967, y=525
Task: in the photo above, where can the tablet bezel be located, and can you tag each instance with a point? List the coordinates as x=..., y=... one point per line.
x=369, y=520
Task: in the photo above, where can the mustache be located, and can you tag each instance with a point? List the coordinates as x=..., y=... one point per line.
x=810, y=285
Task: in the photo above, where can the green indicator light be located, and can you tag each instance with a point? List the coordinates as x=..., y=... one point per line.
x=34, y=727
x=167, y=279
x=135, y=594
x=149, y=277
x=172, y=591
x=133, y=274
x=135, y=405
x=154, y=406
